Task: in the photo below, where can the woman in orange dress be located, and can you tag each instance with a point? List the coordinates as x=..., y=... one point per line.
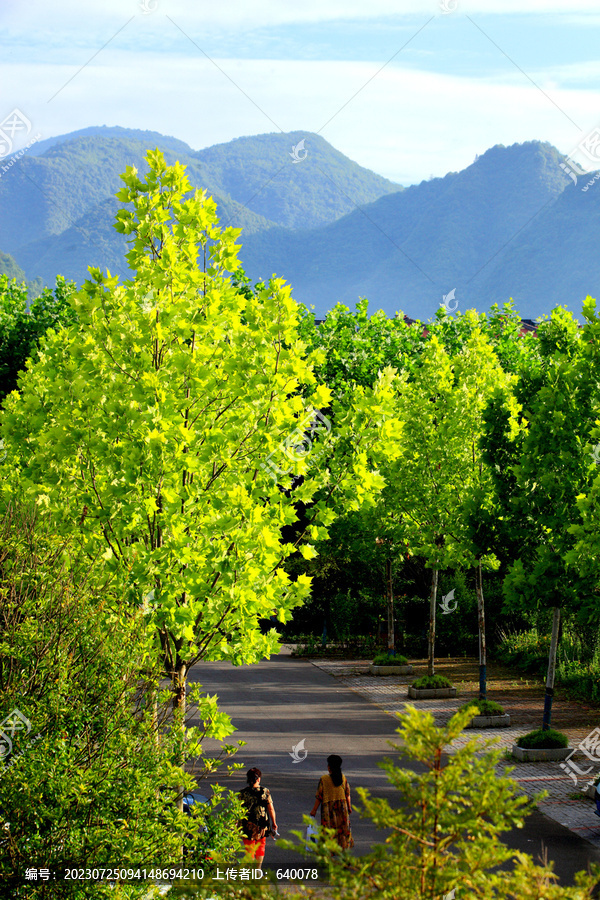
x=259, y=809
x=333, y=796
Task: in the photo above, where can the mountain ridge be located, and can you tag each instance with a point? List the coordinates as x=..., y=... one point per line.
x=512, y=224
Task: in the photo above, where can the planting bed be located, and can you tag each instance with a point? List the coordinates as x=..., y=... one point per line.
x=390, y=670
x=430, y=693
x=537, y=754
x=490, y=721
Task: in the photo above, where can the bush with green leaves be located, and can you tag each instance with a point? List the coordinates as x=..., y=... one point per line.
x=485, y=707
x=384, y=659
x=432, y=682
x=93, y=775
x=526, y=651
x=543, y=740
x=360, y=646
x=23, y=324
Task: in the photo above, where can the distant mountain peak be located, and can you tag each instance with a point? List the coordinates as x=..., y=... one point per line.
x=511, y=224
x=150, y=139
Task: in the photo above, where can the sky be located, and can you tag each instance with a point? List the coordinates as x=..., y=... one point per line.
x=407, y=88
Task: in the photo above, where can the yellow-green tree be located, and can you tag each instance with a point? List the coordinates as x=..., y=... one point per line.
x=168, y=430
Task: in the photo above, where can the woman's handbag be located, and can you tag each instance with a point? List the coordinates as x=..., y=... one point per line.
x=311, y=834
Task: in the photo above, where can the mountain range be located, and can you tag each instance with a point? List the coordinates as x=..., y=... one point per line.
x=512, y=224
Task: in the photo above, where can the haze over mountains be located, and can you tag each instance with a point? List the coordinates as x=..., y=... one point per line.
x=512, y=224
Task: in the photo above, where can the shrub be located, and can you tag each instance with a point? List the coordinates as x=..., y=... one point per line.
x=383, y=659
x=432, y=682
x=485, y=707
x=361, y=646
x=526, y=651
x=543, y=740
x=579, y=679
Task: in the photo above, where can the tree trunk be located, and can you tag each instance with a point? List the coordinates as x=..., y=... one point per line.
x=432, y=602
x=154, y=708
x=179, y=706
x=481, y=623
x=391, y=639
x=551, y=670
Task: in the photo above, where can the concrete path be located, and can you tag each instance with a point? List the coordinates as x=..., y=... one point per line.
x=280, y=702
x=565, y=804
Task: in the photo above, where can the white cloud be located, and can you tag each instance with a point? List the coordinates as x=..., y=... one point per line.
x=404, y=124
x=64, y=16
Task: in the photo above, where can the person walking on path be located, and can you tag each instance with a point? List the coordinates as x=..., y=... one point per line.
x=259, y=809
x=333, y=796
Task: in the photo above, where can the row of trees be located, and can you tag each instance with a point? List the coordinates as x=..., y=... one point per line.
x=168, y=439
x=495, y=460
x=476, y=415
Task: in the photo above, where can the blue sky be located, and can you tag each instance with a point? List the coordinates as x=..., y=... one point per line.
x=405, y=88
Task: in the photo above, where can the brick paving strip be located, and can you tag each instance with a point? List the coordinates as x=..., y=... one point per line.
x=523, y=698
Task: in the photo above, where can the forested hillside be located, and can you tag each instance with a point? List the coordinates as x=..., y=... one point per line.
x=406, y=250
x=510, y=225
x=62, y=197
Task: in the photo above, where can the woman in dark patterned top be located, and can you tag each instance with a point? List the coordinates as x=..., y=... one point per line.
x=259, y=809
x=333, y=796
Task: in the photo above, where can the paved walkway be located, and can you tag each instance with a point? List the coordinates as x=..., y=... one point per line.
x=565, y=803
x=285, y=703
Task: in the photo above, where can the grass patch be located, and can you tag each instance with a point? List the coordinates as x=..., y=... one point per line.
x=543, y=740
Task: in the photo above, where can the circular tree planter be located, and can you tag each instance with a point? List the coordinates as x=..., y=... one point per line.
x=390, y=670
x=490, y=721
x=430, y=693
x=538, y=754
